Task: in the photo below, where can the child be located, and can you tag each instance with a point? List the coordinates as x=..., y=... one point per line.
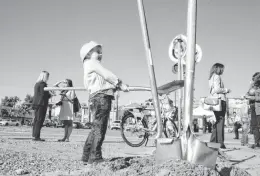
x=101, y=84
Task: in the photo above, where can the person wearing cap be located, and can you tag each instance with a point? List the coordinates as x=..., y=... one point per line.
x=101, y=85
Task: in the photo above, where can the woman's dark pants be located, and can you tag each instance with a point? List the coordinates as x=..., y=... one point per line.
x=237, y=126
x=40, y=113
x=100, y=106
x=217, y=135
x=255, y=124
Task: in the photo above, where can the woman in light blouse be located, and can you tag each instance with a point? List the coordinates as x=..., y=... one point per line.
x=217, y=88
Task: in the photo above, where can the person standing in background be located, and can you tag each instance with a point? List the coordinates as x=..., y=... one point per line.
x=40, y=104
x=217, y=89
x=66, y=110
x=237, y=124
x=253, y=95
x=205, y=124
x=209, y=126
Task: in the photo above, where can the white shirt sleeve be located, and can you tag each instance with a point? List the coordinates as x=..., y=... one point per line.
x=95, y=66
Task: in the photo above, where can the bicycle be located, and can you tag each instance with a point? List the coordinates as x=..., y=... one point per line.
x=138, y=125
x=135, y=122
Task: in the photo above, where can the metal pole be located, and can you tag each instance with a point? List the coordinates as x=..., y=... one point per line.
x=175, y=98
x=131, y=88
x=180, y=95
x=190, y=62
x=150, y=67
x=117, y=97
x=182, y=92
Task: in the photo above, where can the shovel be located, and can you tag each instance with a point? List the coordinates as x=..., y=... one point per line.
x=166, y=148
x=187, y=146
x=195, y=151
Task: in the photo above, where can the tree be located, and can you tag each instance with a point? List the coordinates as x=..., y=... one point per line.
x=10, y=101
x=25, y=107
x=28, y=98
x=4, y=113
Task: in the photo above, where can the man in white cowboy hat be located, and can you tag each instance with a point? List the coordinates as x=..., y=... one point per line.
x=101, y=84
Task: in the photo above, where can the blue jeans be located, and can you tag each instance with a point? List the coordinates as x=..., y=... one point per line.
x=100, y=106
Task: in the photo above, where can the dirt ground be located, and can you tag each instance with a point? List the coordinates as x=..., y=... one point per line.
x=19, y=155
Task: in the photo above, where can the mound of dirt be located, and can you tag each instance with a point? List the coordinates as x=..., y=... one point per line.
x=145, y=166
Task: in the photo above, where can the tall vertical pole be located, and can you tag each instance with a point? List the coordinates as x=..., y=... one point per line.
x=190, y=62
x=150, y=67
x=117, y=97
x=180, y=95
x=175, y=98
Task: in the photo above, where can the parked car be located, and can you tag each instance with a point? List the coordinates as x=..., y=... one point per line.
x=10, y=122
x=78, y=125
x=115, y=125
x=49, y=123
x=28, y=122
x=59, y=124
x=88, y=125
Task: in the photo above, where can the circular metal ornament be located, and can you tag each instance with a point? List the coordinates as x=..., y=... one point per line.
x=198, y=55
x=178, y=49
x=175, y=69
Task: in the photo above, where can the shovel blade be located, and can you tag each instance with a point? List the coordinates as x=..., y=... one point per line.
x=200, y=153
x=168, y=149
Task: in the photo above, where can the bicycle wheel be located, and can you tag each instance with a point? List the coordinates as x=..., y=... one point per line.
x=170, y=130
x=132, y=130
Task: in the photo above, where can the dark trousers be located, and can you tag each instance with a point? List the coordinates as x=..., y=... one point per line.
x=217, y=135
x=204, y=125
x=210, y=129
x=255, y=124
x=236, y=127
x=100, y=106
x=40, y=113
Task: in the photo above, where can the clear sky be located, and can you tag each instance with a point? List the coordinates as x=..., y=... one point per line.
x=47, y=35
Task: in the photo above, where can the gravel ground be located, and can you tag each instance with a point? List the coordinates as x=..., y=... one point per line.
x=21, y=156
x=19, y=163
x=129, y=166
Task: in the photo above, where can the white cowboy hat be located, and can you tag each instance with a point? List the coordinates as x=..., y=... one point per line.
x=87, y=47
